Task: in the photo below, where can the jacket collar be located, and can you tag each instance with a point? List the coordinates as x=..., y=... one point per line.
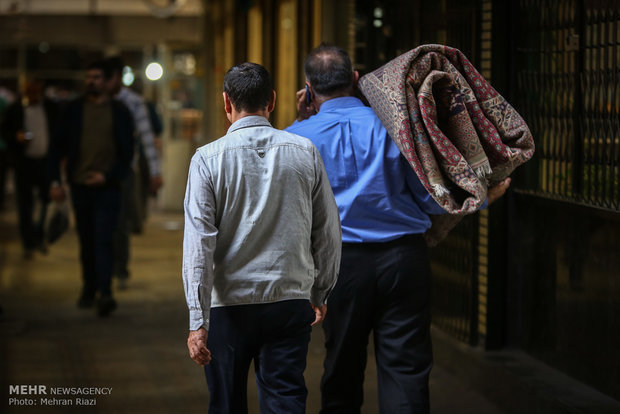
x=248, y=122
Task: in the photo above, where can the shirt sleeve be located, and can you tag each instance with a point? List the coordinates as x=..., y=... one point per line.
x=147, y=138
x=199, y=240
x=426, y=202
x=326, y=235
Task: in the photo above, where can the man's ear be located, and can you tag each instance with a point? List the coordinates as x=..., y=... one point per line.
x=310, y=91
x=356, y=77
x=227, y=103
x=272, y=102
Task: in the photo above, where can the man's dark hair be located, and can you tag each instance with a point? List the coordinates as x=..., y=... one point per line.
x=115, y=65
x=328, y=69
x=102, y=66
x=248, y=86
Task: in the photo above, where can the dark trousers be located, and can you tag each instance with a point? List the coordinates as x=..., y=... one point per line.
x=383, y=288
x=4, y=166
x=30, y=180
x=275, y=336
x=122, y=235
x=96, y=214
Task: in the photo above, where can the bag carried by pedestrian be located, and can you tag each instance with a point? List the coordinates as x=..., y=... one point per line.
x=57, y=222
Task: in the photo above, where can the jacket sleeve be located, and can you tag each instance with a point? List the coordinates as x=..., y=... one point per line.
x=124, y=134
x=61, y=135
x=326, y=235
x=11, y=122
x=199, y=240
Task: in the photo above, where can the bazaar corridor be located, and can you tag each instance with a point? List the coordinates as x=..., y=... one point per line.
x=139, y=351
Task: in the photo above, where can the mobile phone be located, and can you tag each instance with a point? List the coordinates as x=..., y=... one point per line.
x=308, y=97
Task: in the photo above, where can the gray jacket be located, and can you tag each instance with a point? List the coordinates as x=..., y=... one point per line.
x=261, y=222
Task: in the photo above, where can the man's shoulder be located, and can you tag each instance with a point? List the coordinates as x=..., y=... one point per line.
x=76, y=102
x=120, y=108
x=335, y=115
x=217, y=146
x=239, y=140
x=287, y=136
x=359, y=116
x=128, y=95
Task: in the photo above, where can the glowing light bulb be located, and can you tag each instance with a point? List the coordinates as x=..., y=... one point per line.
x=154, y=71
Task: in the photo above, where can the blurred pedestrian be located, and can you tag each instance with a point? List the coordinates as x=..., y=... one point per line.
x=95, y=136
x=131, y=214
x=27, y=127
x=6, y=99
x=262, y=238
x=146, y=191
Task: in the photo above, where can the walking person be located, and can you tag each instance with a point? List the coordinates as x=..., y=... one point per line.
x=6, y=99
x=261, y=251
x=96, y=139
x=27, y=126
x=130, y=204
x=384, y=279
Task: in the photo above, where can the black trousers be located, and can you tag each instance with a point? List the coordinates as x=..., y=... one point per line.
x=382, y=288
x=30, y=181
x=4, y=166
x=275, y=336
x=96, y=214
x=122, y=234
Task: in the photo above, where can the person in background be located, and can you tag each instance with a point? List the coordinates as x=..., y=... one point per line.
x=6, y=99
x=95, y=138
x=262, y=238
x=130, y=200
x=27, y=127
x=145, y=190
x=384, y=280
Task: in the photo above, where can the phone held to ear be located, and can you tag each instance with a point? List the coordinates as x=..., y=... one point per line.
x=308, y=98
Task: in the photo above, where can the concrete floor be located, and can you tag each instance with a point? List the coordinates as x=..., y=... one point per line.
x=140, y=351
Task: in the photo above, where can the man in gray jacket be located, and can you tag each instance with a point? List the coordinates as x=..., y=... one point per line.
x=261, y=251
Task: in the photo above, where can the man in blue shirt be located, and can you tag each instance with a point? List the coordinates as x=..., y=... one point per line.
x=384, y=279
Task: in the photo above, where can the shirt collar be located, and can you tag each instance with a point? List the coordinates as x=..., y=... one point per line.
x=341, y=102
x=249, y=121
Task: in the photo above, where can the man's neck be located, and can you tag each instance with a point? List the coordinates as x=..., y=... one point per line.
x=235, y=116
x=97, y=99
x=320, y=100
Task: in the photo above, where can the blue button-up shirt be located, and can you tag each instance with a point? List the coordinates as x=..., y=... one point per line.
x=261, y=222
x=379, y=196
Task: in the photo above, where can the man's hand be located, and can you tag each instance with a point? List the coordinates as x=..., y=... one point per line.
x=21, y=137
x=498, y=190
x=304, y=111
x=155, y=184
x=158, y=145
x=57, y=193
x=95, y=179
x=197, y=345
x=319, y=312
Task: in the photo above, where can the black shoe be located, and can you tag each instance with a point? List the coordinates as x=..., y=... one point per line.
x=105, y=306
x=122, y=283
